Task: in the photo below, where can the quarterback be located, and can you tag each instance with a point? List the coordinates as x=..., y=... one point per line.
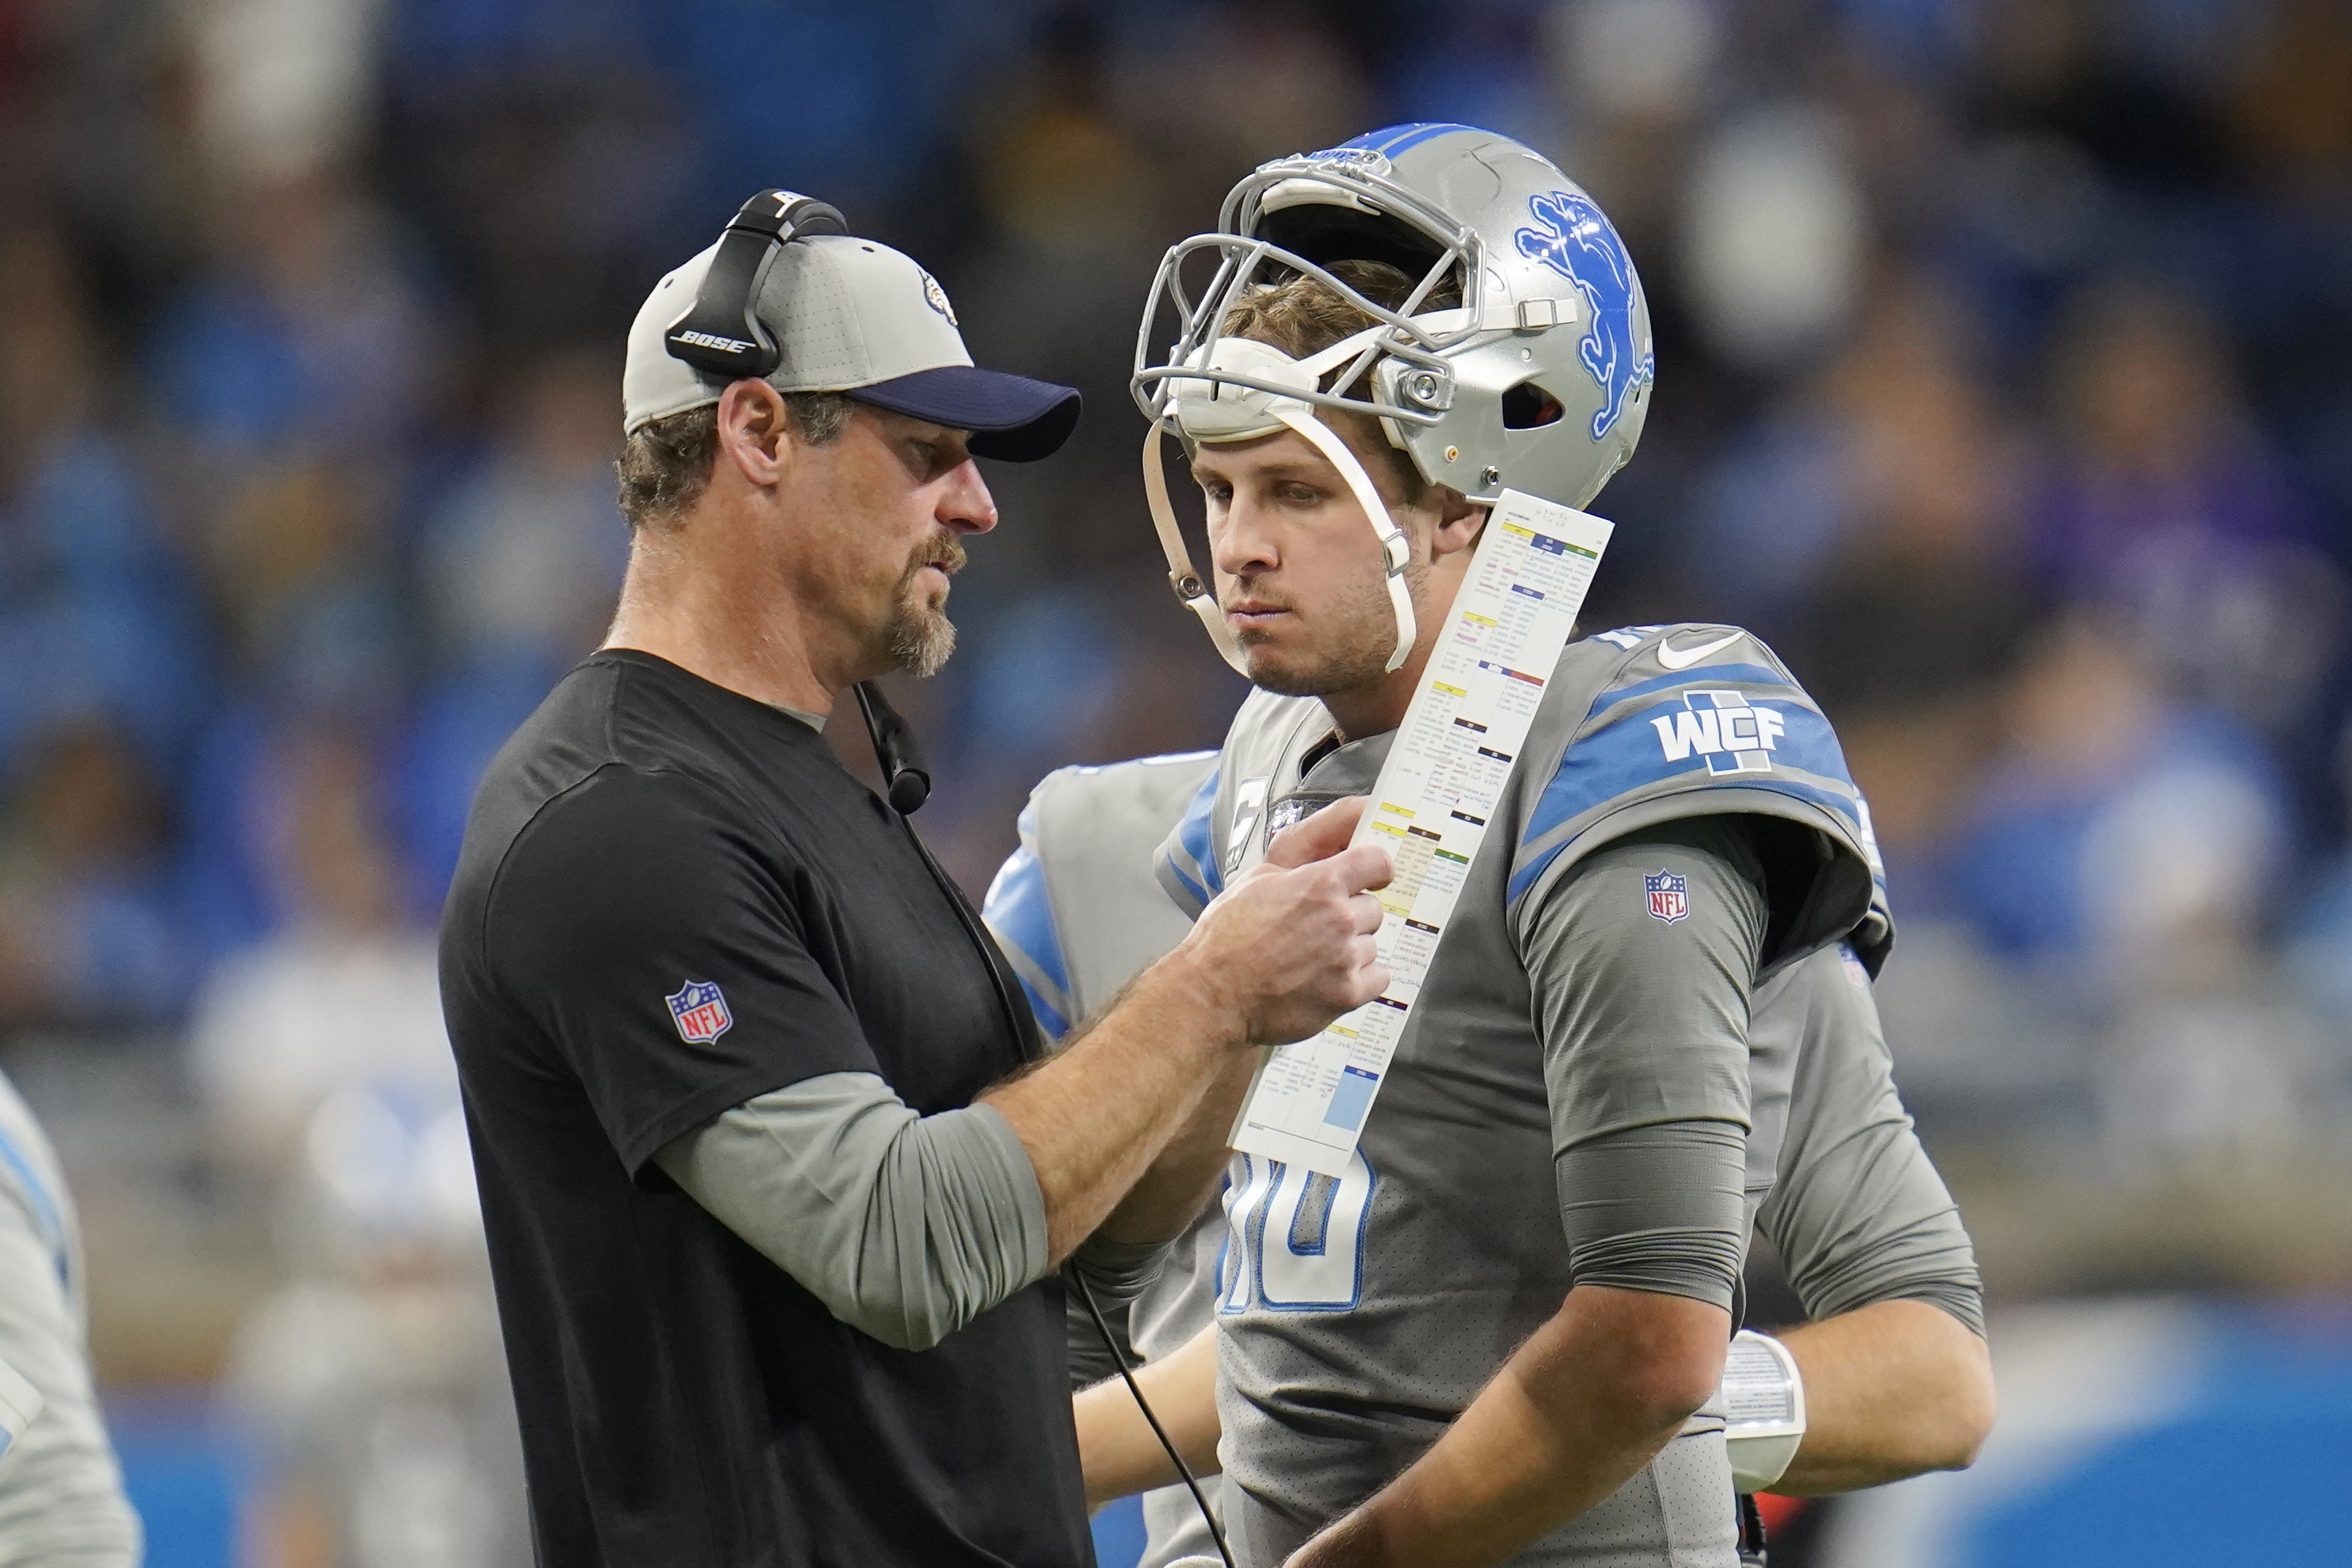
x=1893, y=1371
x=1496, y=1336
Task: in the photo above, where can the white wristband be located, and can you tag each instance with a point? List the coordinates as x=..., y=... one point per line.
x=1763, y=1409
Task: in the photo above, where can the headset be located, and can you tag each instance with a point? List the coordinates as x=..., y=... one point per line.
x=721, y=333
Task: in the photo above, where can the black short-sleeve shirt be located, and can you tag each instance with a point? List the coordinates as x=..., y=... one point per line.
x=672, y=899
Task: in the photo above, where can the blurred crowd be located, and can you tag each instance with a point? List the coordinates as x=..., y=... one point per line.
x=2005, y=386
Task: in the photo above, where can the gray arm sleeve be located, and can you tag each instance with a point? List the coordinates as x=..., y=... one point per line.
x=906, y=1227
x=1644, y=1027
x=1859, y=1213
x=1656, y=1208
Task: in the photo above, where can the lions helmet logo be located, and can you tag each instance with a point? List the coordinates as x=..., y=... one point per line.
x=1577, y=242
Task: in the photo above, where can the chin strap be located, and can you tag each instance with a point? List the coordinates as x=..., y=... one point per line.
x=1396, y=552
x=1192, y=589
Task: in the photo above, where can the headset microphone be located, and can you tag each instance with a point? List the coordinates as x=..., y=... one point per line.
x=720, y=334
x=907, y=777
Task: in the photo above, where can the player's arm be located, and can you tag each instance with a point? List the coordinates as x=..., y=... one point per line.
x=1897, y=1377
x=1892, y=1389
x=61, y=1497
x=1116, y=1446
x=1645, y=1025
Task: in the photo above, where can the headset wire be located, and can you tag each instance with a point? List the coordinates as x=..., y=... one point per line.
x=1110, y=1343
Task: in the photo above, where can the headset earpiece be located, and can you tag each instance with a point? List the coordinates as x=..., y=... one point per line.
x=720, y=334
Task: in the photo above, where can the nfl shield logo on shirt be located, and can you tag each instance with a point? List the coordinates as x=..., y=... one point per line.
x=702, y=1015
x=1669, y=897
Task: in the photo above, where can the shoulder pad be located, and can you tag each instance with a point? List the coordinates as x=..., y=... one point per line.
x=1187, y=861
x=1020, y=916
x=1065, y=898
x=1223, y=822
x=1687, y=721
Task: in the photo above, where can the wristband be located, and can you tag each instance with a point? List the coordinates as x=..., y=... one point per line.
x=1763, y=1409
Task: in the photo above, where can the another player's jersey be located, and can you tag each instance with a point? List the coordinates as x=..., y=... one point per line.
x=1079, y=912
x=1073, y=916
x=1364, y=1315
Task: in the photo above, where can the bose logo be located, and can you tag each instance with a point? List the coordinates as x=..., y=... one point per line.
x=1720, y=726
x=712, y=341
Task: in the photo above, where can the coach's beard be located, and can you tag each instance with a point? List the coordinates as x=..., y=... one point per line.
x=922, y=636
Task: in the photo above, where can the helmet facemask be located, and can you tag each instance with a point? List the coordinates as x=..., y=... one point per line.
x=1451, y=387
x=1240, y=389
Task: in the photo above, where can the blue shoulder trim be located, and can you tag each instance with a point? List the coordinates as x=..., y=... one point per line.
x=1022, y=918
x=1204, y=877
x=1695, y=737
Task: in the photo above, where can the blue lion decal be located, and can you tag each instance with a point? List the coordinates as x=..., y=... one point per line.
x=1574, y=228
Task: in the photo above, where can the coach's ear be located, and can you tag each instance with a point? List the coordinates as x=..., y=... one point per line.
x=1459, y=522
x=751, y=430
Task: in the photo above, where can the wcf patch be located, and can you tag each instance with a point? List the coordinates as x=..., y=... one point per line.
x=1669, y=896
x=700, y=1012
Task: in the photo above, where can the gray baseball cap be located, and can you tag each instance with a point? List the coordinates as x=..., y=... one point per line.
x=853, y=316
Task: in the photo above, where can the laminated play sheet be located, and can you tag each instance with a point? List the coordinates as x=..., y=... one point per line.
x=1442, y=782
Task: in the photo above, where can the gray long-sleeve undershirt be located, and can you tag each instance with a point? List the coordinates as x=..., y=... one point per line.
x=906, y=1227
x=1859, y=1213
x=1645, y=1023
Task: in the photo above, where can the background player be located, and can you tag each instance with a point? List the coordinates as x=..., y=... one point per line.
x=1577, y=1061
x=1896, y=1373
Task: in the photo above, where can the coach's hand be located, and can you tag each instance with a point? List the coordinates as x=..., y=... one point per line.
x=1135, y=1106
x=1289, y=946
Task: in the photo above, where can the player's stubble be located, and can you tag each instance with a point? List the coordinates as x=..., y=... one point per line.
x=1343, y=643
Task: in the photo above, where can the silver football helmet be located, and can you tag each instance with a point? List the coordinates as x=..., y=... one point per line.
x=1539, y=381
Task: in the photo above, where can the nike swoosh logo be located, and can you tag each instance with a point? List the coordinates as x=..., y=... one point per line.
x=1673, y=658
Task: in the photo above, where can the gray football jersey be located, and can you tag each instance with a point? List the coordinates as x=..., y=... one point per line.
x=1075, y=908
x=1852, y=1202
x=1857, y=1211
x=1363, y=1315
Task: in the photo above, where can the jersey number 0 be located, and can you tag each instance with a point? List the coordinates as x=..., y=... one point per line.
x=1295, y=1241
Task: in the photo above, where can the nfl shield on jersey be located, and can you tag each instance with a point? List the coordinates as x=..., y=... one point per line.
x=1669, y=896
x=700, y=1012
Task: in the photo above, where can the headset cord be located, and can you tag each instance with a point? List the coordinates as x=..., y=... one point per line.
x=908, y=785
x=1208, y=1515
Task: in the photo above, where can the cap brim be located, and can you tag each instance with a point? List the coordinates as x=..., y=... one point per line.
x=1009, y=417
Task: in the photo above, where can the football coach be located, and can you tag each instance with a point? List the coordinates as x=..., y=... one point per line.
x=774, y=1185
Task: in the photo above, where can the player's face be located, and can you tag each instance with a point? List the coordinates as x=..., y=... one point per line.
x=1298, y=567
x=899, y=492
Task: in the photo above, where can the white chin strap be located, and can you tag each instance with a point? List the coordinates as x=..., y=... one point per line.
x=1220, y=413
